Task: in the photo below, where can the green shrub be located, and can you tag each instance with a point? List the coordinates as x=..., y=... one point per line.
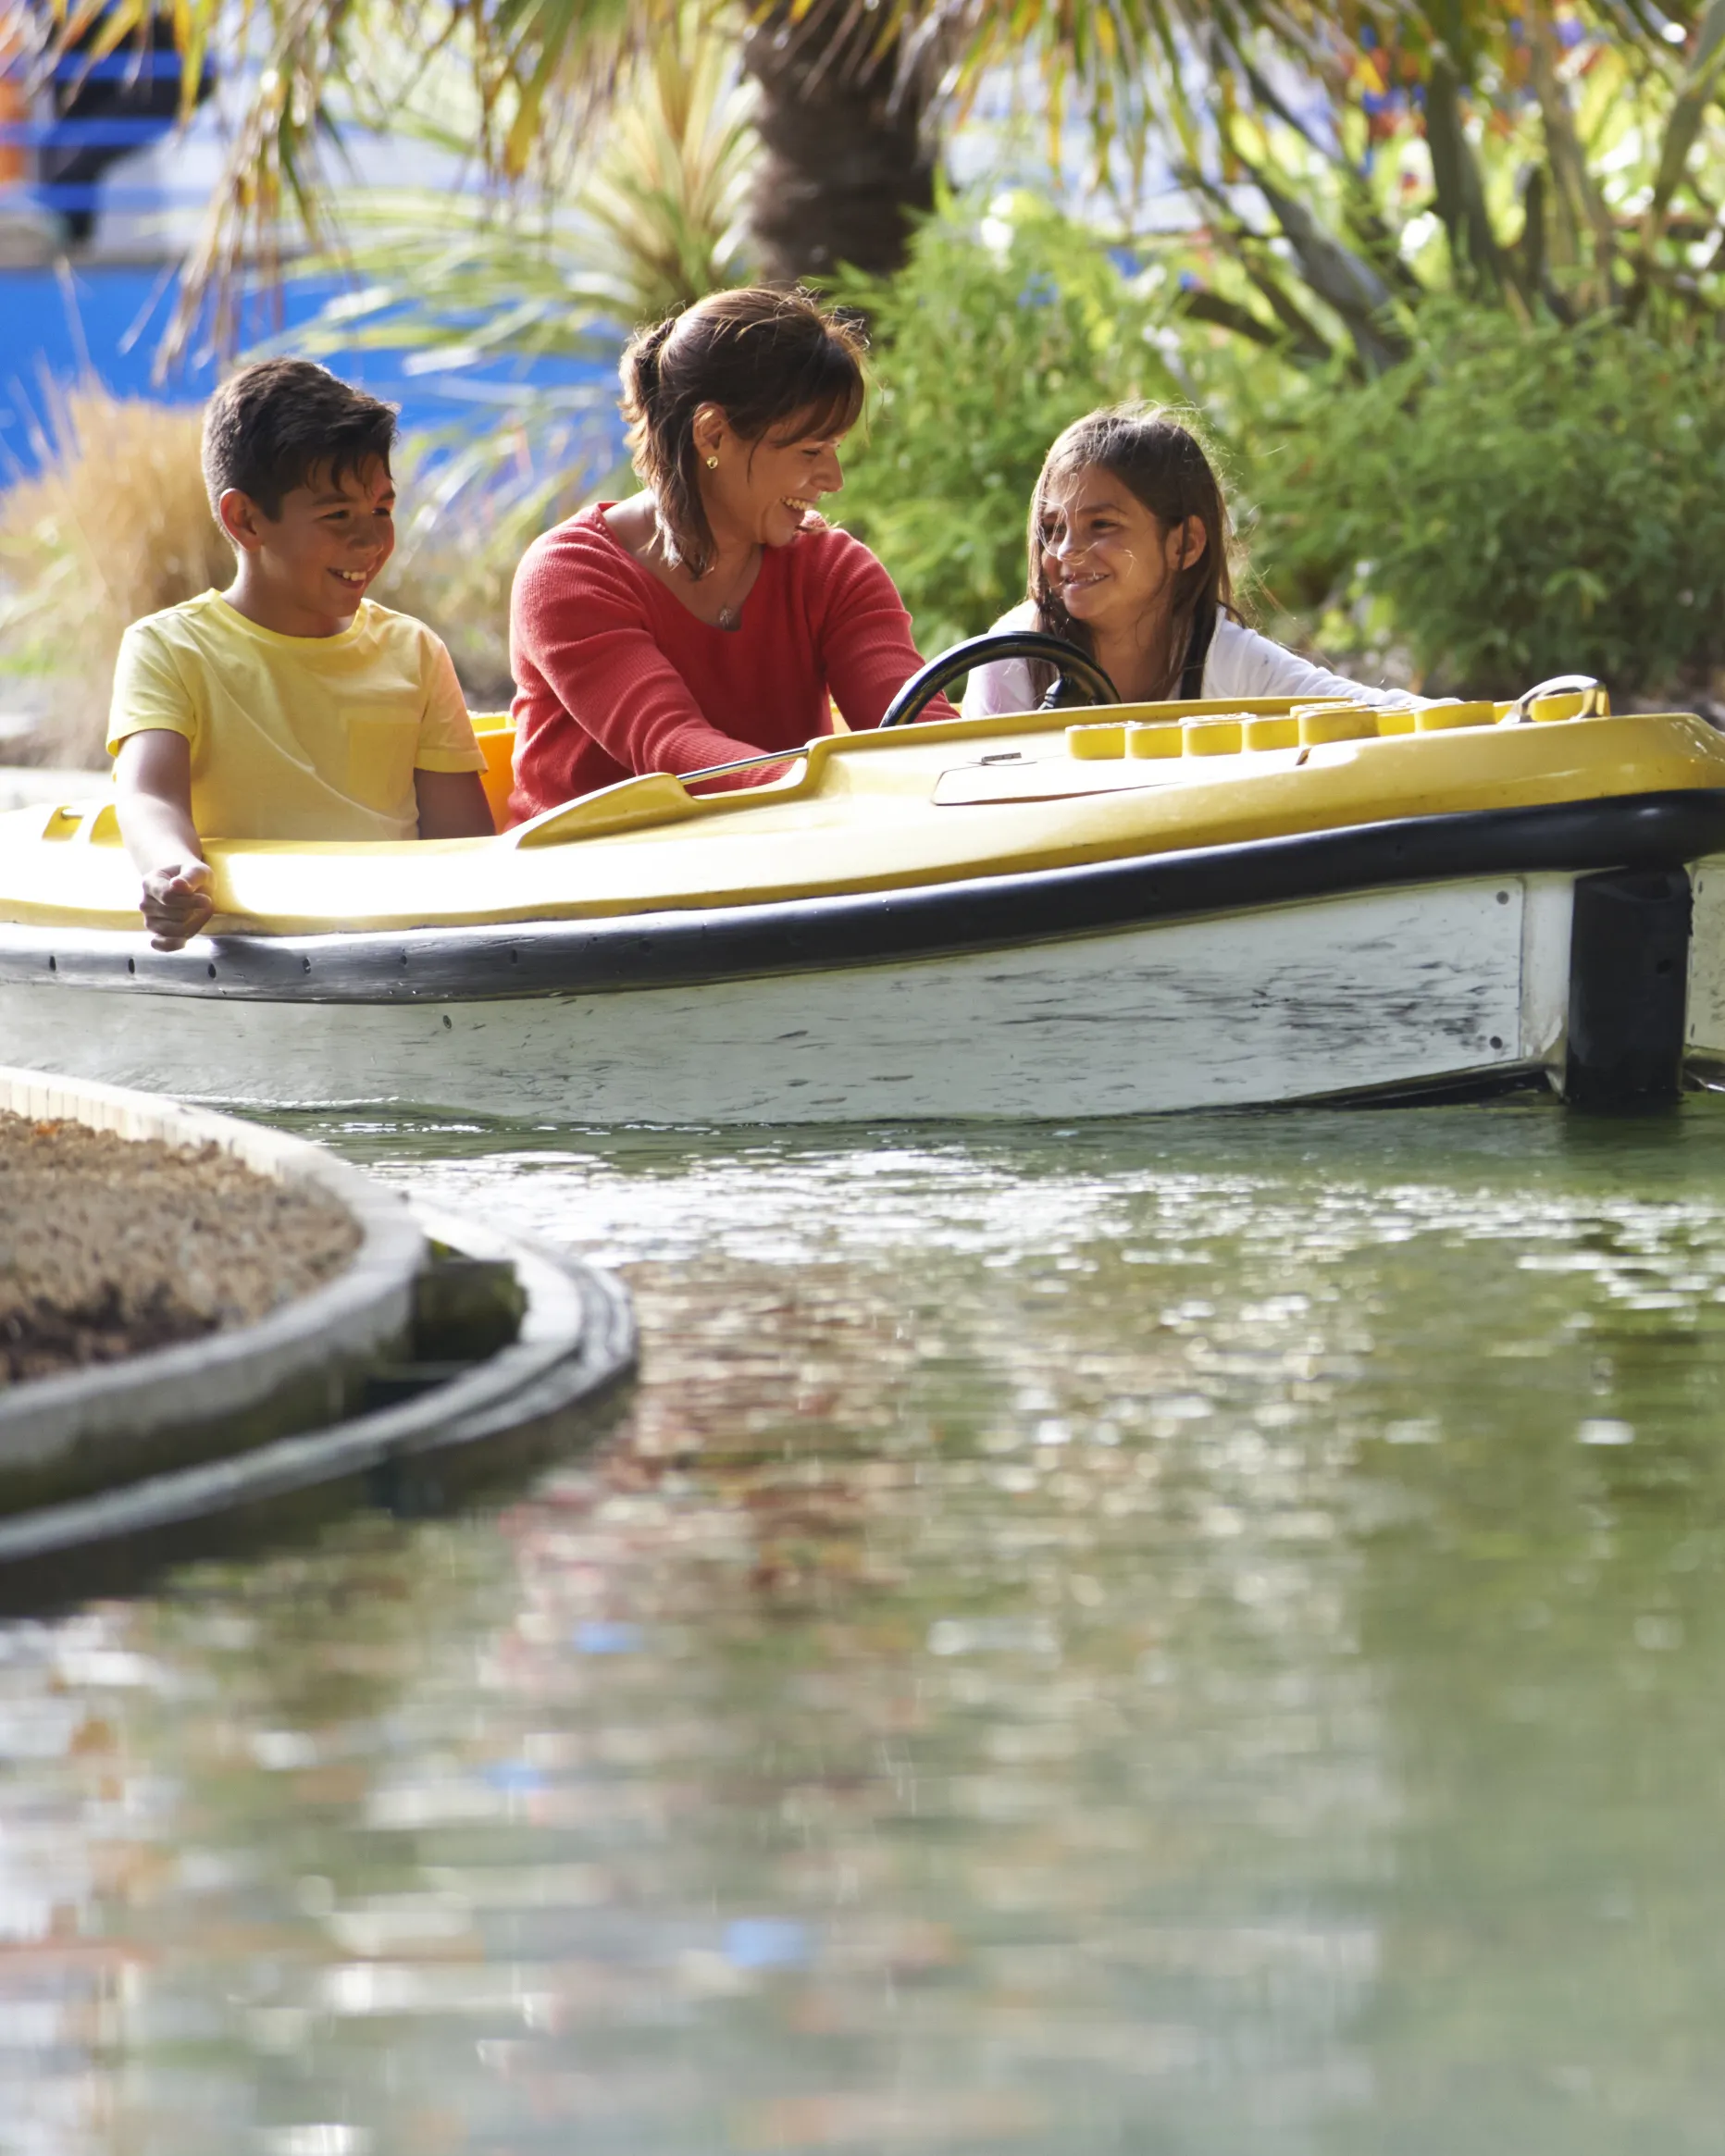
x=1509, y=503
x=1004, y=325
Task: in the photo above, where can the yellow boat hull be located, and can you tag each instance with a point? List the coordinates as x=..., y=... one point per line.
x=1162, y=907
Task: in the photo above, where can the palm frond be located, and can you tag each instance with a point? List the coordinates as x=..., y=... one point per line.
x=656, y=222
x=540, y=72
x=459, y=283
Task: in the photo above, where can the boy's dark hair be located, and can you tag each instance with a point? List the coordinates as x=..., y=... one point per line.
x=270, y=428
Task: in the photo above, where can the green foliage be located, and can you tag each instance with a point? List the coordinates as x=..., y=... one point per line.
x=1001, y=329
x=1549, y=163
x=1509, y=503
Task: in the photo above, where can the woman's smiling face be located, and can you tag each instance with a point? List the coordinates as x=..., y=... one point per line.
x=763, y=490
x=1109, y=559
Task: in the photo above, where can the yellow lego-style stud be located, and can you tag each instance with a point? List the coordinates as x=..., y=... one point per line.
x=1440, y=718
x=1150, y=739
x=1322, y=723
x=1545, y=710
x=1095, y=744
x=1273, y=733
x=1212, y=737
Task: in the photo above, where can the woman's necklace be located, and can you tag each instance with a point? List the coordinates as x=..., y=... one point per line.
x=730, y=613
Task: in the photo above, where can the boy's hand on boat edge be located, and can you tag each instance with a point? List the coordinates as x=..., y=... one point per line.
x=153, y=785
x=176, y=903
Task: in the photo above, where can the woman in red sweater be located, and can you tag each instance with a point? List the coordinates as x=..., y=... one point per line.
x=711, y=616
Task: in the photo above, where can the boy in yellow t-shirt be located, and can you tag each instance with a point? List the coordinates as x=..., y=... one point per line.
x=290, y=705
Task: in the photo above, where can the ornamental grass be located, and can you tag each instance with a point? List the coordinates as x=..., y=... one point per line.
x=113, y=523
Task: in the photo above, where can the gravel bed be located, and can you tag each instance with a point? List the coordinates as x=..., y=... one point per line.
x=111, y=1245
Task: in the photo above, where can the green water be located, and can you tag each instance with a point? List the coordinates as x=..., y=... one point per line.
x=1192, y=1638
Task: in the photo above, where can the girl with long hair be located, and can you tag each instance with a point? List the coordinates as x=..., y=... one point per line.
x=1129, y=547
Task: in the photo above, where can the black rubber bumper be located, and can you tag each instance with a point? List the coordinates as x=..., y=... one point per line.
x=1629, y=977
x=1640, y=832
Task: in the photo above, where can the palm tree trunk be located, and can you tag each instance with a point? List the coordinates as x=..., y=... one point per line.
x=848, y=155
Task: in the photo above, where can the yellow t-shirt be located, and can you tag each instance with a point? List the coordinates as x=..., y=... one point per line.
x=295, y=736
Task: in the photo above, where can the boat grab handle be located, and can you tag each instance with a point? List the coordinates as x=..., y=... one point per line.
x=743, y=764
x=1585, y=685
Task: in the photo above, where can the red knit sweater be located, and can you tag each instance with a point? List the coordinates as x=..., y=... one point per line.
x=615, y=675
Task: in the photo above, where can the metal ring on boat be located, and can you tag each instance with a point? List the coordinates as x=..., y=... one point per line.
x=922, y=688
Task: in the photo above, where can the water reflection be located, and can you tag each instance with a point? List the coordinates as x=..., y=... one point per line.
x=1181, y=1638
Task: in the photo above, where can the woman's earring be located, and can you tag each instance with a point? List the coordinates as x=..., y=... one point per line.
x=713, y=464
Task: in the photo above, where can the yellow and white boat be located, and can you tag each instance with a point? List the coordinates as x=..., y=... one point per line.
x=1153, y=907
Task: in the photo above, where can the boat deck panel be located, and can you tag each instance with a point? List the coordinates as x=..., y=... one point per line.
x=864, y=814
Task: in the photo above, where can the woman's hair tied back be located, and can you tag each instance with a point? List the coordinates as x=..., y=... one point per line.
x=640, y=363
x=763, y=357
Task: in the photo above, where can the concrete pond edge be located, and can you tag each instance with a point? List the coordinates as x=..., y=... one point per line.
x=117, y=1420
x=522, y=1406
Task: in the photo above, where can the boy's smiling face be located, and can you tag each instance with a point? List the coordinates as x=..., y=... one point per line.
x=305, y=572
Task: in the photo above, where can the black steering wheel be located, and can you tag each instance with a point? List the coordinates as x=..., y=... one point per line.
x=1078, y=681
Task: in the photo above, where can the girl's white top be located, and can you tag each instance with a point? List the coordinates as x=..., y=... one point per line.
x=1240, y=663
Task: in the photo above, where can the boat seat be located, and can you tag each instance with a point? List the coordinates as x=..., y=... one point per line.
x=495, y=733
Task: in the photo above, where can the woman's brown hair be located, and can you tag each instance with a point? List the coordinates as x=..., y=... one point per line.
x=1160, y=460
x=762, y=357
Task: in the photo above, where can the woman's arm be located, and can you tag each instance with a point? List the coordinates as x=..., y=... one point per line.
x=866, y=650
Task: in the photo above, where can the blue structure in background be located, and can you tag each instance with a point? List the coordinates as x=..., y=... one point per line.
x=105, y=318
x=98, y=111
x=85, y=140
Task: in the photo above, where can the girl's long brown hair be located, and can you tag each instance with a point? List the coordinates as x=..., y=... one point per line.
x=1151, y=452
x=762, y=357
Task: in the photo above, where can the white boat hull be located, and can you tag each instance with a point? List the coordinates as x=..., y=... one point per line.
x=1370, y=992
x=1703, y=1033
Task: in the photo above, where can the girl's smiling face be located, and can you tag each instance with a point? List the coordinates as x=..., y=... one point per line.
x=1109, y=559
x=762, y=491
